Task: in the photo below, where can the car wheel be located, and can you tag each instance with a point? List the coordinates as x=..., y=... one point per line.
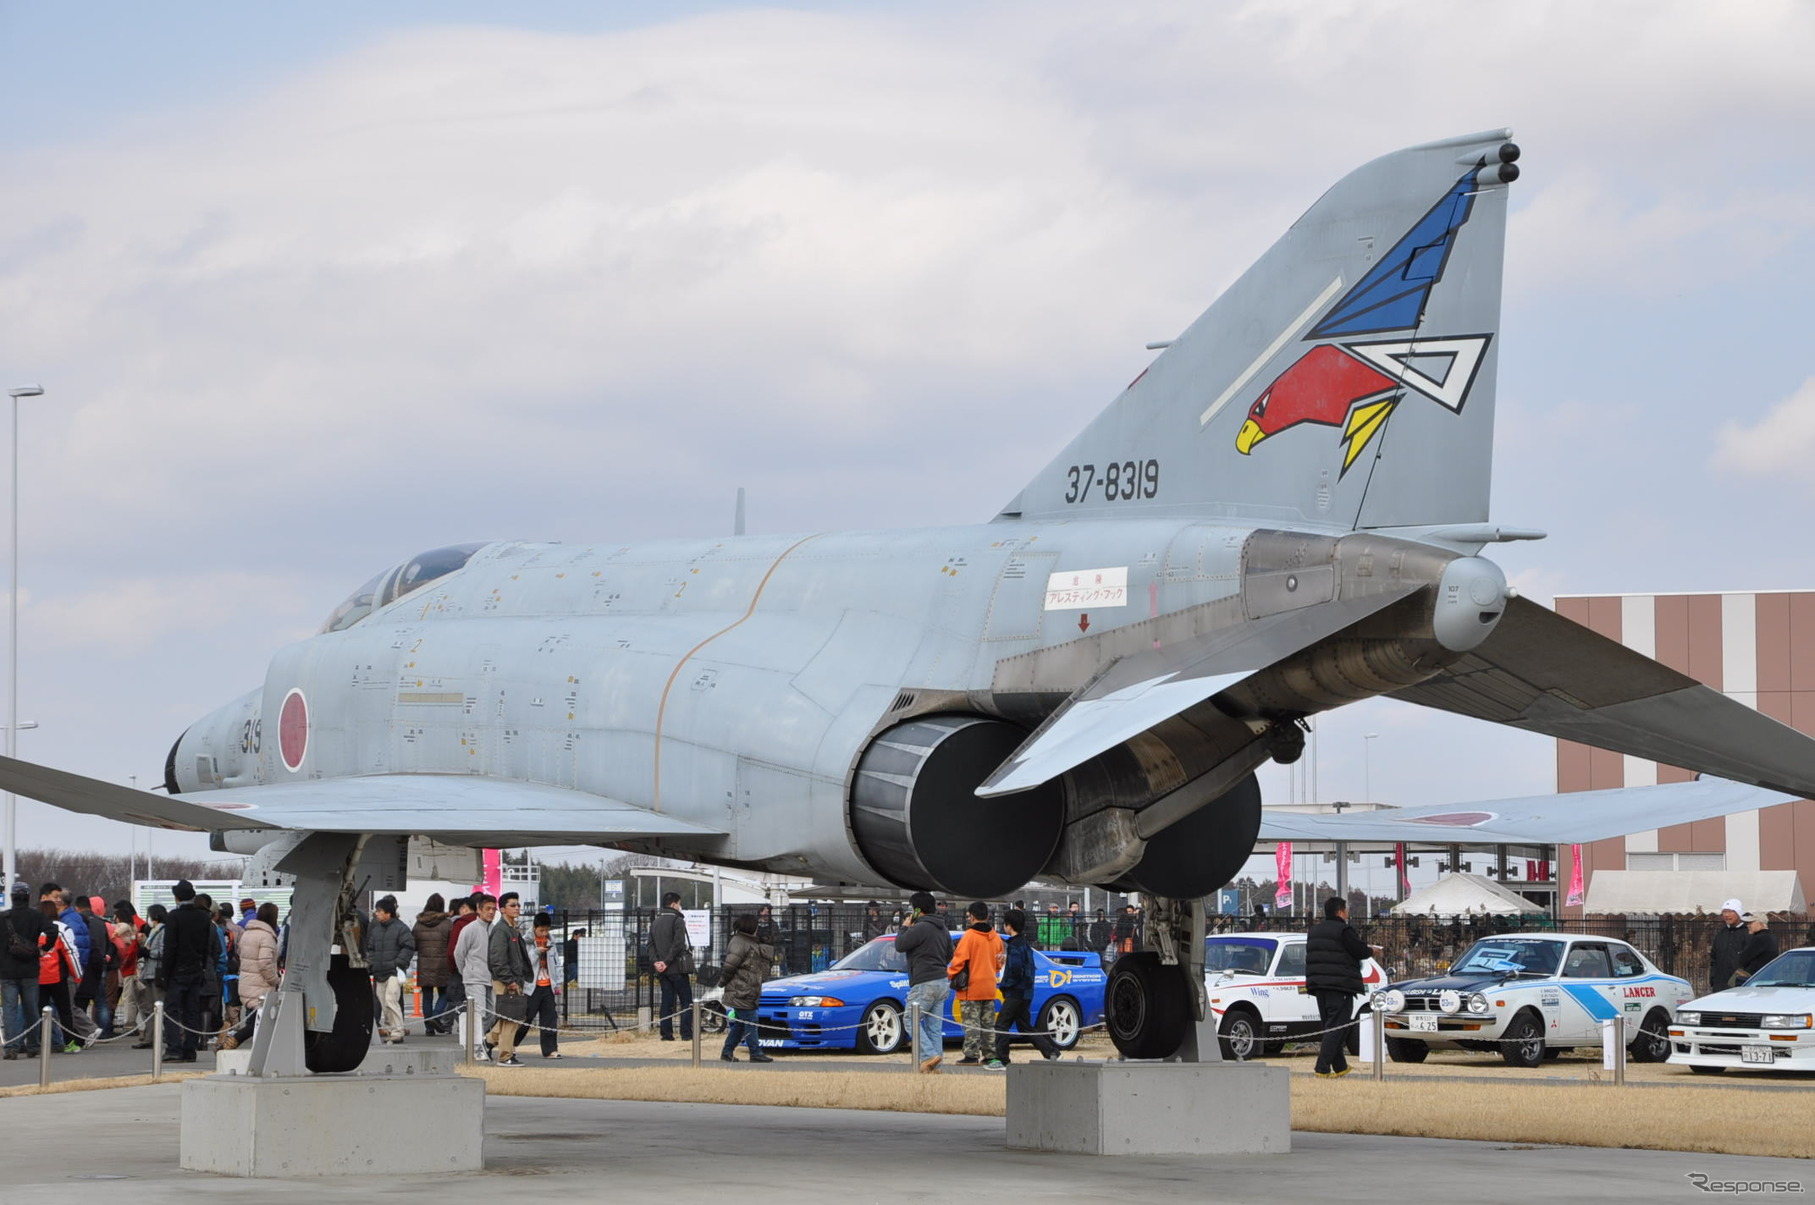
x=1708, y=1070
x=1240, y=1035
x=1522, y=1045
x=1148, y=1005
x=1407, y=1050
x=1653, y=1042
x=881, y=1031
x=1061, y=1019
x=712, y=1017
x=1271, y=1049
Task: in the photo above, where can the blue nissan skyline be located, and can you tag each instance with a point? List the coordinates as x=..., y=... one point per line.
x=860, y=1000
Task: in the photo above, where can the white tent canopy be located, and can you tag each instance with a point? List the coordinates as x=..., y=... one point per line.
x=1464, y=895
x=1643, y=892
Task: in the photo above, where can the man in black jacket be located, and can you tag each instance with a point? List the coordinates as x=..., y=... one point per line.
x=23, y=931
x=1729, y=946
x=189, y=948
x=672, y=955
x=1334, y=953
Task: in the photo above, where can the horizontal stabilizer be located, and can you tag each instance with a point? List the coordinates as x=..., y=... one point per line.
x=1544, y=673
x=1574, y=818
x=1139, y=691
x=456, y=809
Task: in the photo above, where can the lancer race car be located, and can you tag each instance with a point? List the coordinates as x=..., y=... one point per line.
x=860, y=1002
x=1527, y=995
x=1767, y=1022
x=1257, y=991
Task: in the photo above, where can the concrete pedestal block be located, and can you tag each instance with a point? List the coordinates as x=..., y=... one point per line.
x=332, y=1125
x=1137, y=1108
x=380, y=1060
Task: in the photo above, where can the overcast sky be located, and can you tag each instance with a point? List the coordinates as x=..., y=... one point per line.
x=313, y=288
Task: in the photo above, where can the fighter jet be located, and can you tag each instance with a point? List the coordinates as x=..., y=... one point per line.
x=1283, y=514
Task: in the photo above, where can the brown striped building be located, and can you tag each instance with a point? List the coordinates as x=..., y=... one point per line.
x=1756, y=648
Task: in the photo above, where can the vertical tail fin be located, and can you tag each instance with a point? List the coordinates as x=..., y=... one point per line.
x=1346, y=379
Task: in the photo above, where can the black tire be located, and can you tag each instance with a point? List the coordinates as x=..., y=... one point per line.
x=712, y=1017
x=1522, y=1045
x=345, y=1048
x=1240, y=1037
x=1148, y=1004
x=1270, y=1049
x=1063, y=1020
x=1407, y=1050
x=1652, y=1045
x=882, y=1031
x=1708, y=1070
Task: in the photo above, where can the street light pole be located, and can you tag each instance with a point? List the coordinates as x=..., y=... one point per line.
x=1367, y=766
x=11, y=869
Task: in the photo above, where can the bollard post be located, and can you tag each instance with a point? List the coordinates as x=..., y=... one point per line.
x=45, y=1025
x=696, y=1033
x=466, y=1033
x=157, y=1039
x=1613, y=1048
x=1375, y=1032
x=914, y=1030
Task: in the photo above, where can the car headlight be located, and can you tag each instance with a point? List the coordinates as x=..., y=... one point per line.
x=1390, y=1001
x=1449, y=1000
x=1788, y=1021
x=814, y=1002
x=1477, y=1003
x=1688, y=1018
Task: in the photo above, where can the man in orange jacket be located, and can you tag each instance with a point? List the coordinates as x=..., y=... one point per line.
x=978, y=959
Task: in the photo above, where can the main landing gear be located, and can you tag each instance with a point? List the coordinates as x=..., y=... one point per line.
x=1155, y=1004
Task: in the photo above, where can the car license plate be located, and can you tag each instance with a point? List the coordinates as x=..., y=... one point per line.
x=1424, y=1024
x=1757, y=1054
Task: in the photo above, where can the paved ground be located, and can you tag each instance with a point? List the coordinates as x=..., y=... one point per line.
x=600, y=1150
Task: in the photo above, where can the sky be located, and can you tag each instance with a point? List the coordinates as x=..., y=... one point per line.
x=313, y=288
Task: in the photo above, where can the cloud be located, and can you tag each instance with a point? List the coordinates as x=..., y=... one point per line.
x=1783, y=441
x=131, y=615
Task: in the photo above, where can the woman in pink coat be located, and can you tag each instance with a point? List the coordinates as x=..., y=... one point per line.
x=257, y=969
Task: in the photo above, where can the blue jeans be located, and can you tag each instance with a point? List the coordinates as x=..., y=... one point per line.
x=930, y=996
x=740, y=1027
x=19, y=1013
x=434, y=1000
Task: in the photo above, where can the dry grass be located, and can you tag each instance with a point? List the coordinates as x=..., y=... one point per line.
x=1715, y=1120
x=89, y=1085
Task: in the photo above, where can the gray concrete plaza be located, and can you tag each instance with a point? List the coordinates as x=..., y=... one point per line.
x=597, y=1150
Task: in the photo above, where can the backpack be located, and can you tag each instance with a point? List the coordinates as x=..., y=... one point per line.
x=232, y=951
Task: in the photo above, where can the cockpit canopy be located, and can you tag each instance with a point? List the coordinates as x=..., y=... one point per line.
x=398, y=581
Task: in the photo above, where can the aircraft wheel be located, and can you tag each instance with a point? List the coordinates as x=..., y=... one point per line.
x=1240, y=1036
x=345, y=1048
x=882, y=1030
x=1148, y=1006
x=1061, y=1019
x=1653, y=1042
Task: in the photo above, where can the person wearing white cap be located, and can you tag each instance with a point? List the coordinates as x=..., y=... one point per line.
x=1729, y=944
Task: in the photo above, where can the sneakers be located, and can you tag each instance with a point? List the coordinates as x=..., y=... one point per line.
x=512, y=1061
x=996, y=1065
x=1332, y=1074
x=968, y=1061
x=1054, y=1055
x=761, y=1058
x=482, y=1055
x=553, y=1054
x=727, y=1057
x=73, y=1048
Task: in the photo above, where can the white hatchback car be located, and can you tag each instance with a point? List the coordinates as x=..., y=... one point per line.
x=1524, y=995
x=1767, y=1022
x=1257, y=991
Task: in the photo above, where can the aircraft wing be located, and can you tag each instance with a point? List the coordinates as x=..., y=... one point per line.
x=1138, y=691
x=1544, y=673
x=1573, y=818
x=456, y=809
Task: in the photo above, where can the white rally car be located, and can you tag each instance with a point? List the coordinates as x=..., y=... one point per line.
x=1257, y=991
x=1523, y=995
x=1767, y=1022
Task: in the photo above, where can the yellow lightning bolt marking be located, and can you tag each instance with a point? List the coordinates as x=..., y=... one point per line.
x=1363, y=424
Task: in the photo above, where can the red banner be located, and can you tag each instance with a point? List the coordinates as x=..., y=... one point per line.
x=1282, y=865
x=1405, y=874
x=1576, y=892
